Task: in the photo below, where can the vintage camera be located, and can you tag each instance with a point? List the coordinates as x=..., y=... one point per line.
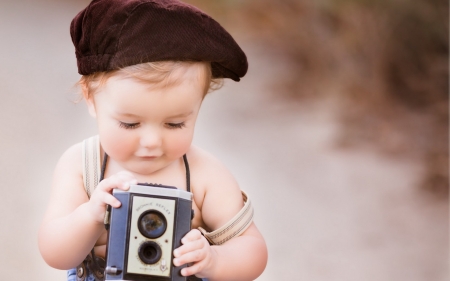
x=145, y=230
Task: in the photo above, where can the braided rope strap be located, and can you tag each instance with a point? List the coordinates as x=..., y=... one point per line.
x=234, y=227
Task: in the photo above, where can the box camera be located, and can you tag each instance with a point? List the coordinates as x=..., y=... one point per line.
x=145, y=230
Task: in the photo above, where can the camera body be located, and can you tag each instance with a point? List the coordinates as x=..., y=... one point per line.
x=145, y=230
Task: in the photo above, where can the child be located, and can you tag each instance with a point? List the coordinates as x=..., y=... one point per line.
x=146, y=66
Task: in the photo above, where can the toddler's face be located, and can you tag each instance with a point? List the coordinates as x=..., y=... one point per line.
x=143, y=127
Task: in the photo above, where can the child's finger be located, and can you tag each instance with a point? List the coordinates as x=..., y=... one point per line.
x=188, y=247
x=125, y=176
x=124, y=179
x=111, y=200
x=104, y=198
x=190, y=257
x=192, y=235
x=193, y=269
x=120, y=181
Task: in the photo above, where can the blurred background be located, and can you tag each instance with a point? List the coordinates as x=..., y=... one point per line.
x=339, y=132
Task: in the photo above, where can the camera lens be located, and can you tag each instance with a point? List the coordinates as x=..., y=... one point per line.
x=149, y=252
x=152, y=224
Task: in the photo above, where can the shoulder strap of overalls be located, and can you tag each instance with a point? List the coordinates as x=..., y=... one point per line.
x=93, y=174
x=91, y=163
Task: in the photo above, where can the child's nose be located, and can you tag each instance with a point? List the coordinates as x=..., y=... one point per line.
x=150, y=138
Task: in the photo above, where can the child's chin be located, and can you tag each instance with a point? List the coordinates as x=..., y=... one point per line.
x=146, y=167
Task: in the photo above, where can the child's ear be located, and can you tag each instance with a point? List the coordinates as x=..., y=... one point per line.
x=89, y=100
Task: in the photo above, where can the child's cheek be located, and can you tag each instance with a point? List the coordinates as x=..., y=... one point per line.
x=179, y=145
x=117, y=143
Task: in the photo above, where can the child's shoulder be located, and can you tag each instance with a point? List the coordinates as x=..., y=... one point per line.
x=215, y=190
x=82, y=156
x=207, y=169
x=69, y=170
x=72, y=158
x=199, y=156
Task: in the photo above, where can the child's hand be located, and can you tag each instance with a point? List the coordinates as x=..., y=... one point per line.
x=195, y=250
x=102, y=194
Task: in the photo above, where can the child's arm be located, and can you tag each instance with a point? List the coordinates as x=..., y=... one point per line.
x=73, y=223
x=241, y=258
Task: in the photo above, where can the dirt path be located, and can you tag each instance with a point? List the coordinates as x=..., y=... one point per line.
x=327, y=214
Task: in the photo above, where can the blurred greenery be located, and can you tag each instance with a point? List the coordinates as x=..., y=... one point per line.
x=385, y=62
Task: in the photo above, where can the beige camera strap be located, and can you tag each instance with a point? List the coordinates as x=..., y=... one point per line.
x=234, y=227
x=91, y=163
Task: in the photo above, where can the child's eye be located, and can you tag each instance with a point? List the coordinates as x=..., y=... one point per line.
x=175, y=125
x=128, y=125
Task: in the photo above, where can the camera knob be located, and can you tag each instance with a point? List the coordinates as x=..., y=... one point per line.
x=111, y=270
x=163, y=266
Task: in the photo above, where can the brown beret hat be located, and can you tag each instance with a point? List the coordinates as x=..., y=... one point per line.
x=111, y=34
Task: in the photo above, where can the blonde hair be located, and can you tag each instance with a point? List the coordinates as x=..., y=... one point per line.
x=161, y=73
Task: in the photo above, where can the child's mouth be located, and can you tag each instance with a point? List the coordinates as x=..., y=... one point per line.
x=148, y=158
